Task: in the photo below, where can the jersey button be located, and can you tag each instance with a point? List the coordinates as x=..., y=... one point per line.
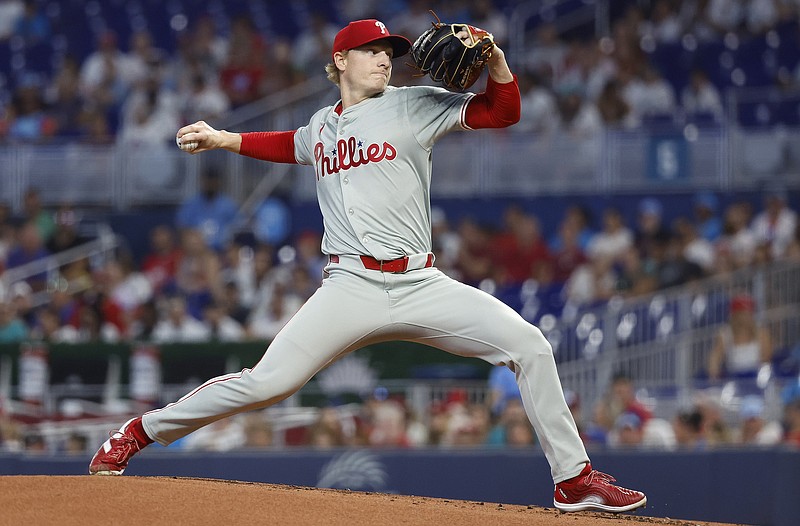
x=346, y=180
x=366, y=239
x=351, y=211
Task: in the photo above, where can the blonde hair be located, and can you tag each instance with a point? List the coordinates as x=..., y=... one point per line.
x=332, y=71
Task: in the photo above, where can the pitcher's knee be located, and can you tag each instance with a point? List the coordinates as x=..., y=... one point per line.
x=532, y=345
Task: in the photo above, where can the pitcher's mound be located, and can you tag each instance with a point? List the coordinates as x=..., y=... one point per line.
x=102, y=501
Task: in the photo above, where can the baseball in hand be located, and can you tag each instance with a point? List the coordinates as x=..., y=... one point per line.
x=186, y=146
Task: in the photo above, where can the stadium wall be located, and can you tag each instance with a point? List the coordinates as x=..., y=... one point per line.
x=734, y=486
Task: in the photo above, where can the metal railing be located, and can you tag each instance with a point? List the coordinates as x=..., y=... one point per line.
x=96, y=251
x=663, y=341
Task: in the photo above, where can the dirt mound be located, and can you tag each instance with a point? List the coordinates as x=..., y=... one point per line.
x=172, y=501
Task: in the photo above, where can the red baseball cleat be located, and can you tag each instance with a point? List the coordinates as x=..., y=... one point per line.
x=593, y=490
x=113, y=456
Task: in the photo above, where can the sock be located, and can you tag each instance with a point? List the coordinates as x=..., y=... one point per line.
x=137, y=430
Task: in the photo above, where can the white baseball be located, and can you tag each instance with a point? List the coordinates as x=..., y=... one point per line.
x=186, y=146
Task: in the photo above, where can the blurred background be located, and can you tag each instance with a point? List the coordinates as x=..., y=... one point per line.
x=642, y=213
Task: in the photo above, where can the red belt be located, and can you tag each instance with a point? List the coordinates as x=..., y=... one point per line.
x=394, y=266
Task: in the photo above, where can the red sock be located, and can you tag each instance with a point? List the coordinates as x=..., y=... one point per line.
x=137, y=430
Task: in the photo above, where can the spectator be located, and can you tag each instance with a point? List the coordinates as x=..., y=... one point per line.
x=613, y=240
x=208, y=45
x=238, y=266
x=725, y=16
x=633, y=279
x=519, y=247
x=580, y=220
x=178, y=325
x=701, y=98
x=92, y=326
x=34, y=211
x=160, y=265
x=48, y=327
x=198, y=275
x=203, y=100
x=221, y=327
x=776, y=224
x=143, y=57
x=695, y=20
x=327, y=431
x=657, y=98
x=538, y=106
x=258, y=430
x=75, y=444
x=445, y=241
x=474, y=263
x=12, y=328
x=614, y=109
x=309, y=254
x=591, y=282
x=738, y=243
x=65, y=235
x=547, y=52
x=755, y=429
x=210, y=211
x=628, y=431
x=716, y=430
x=569, y=255
x=511, y=428
x=144, y=324
x=269, y=317
x=127, y=287
x=32, y=26
x=232, y=305
x=743, y=345
x=689, y=430
x=223, y=435
x=665, y=26
x=265, y=277
x=29, y=120
x=651, y=234
x=706, y=208
x=580, y=119
x=243, y=76
x=673, y=267
x=502, y=387
x=10, y=12
x=28, y=250
x=696, y=250
x=104, y=75
x=761, y=16
x=621, y=398
x=387, y=424
x=151, y=111
x=311, y=50
x=63, y=96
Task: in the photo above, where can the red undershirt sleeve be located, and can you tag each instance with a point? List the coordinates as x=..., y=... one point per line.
x=277, y=147
x=497, y=107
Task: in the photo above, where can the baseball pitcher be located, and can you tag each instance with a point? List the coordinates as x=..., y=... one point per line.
x=371, y=153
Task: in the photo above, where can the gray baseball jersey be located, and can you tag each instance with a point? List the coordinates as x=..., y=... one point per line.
x=373, y=180
x=373, y=167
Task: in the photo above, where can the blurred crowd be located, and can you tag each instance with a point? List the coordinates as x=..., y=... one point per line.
x=200, y=280
x=135, y=92
x=620, y=420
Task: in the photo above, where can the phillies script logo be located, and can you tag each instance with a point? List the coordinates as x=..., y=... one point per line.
x=348, y=154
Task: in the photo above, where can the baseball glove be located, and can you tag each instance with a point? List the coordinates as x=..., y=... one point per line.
x=448, y=59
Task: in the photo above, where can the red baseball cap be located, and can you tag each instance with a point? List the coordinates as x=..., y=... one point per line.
x=360, y=32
